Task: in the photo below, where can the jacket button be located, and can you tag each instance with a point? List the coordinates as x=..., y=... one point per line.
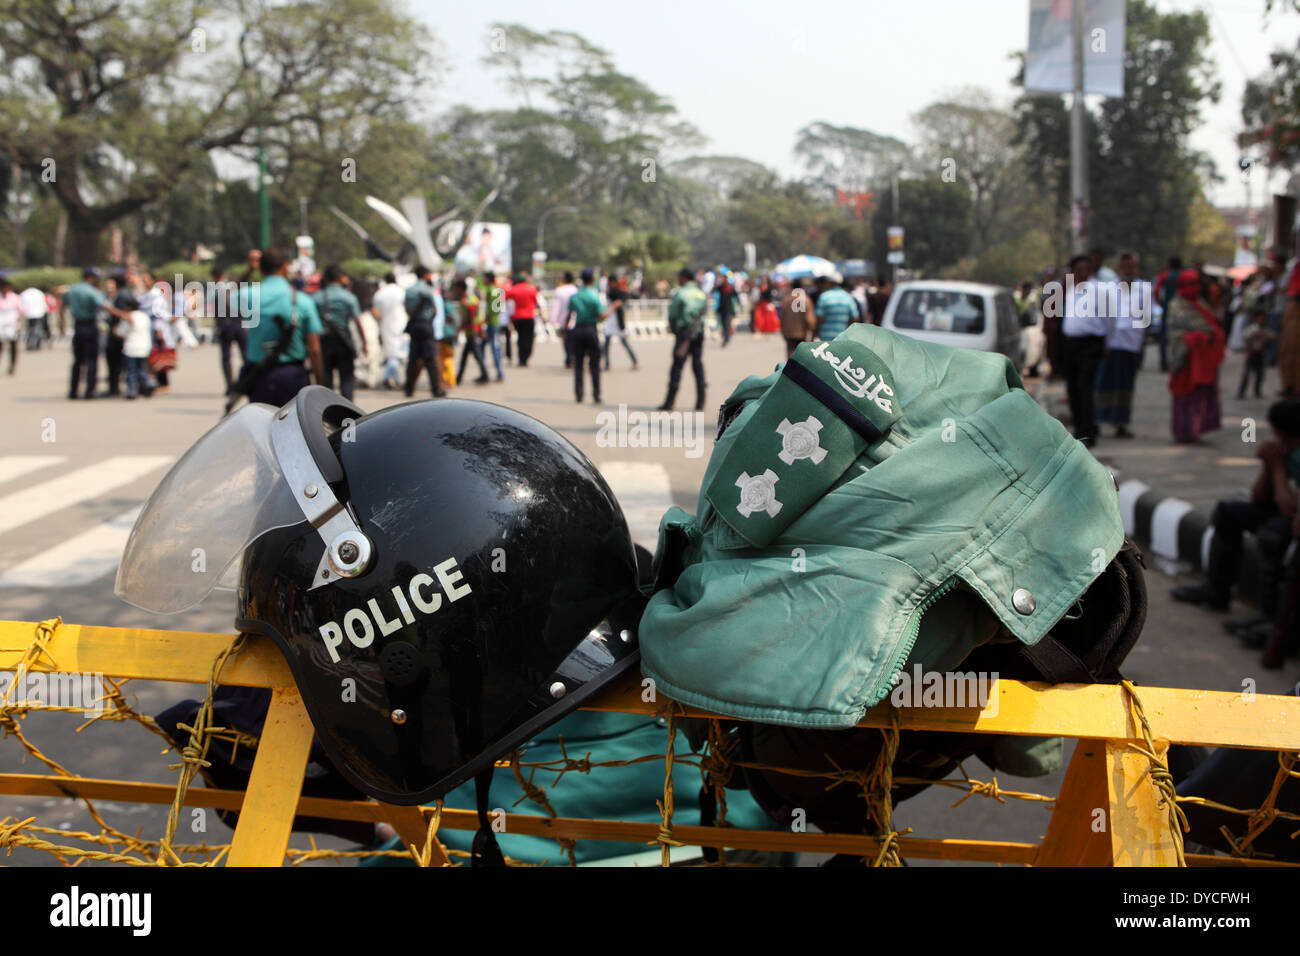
x=1022, y=601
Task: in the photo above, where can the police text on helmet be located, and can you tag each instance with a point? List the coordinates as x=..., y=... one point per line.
x=360, y=623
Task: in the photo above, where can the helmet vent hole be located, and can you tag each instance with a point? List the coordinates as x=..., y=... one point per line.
x=401, y=664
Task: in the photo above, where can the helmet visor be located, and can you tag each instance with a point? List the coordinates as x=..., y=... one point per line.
x=224, y=493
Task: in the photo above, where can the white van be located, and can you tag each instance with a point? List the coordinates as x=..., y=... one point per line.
x=968, y=315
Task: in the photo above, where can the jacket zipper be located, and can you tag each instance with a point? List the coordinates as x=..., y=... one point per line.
x=909, y=639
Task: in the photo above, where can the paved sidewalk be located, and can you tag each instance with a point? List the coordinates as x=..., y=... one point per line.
x=1221, y=465
x=1168, y=490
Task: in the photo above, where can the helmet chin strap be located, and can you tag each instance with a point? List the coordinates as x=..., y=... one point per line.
x=485, y=851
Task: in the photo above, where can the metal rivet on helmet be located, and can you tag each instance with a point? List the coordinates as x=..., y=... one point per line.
x=625, y=636
x=399, y=716
x=558, y=689
x=349, y=554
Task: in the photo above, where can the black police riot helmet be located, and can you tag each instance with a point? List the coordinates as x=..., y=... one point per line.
x=445, y=578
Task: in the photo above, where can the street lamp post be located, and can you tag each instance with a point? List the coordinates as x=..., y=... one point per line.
x=896, y=221
x=1078, y=140
x=20, y=203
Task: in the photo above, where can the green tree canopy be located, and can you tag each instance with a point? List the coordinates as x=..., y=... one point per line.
x=1144, y=177
x=847, y=158
x=112, y=103
x=966, y=139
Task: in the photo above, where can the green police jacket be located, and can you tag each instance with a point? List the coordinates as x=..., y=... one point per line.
x=878, y=502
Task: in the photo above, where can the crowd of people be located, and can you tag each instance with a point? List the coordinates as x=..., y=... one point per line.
x=386, y=335
x=128, y=318
x=1272, y=515
x=290, y=327
x=1097, y=333
x=1192, y=319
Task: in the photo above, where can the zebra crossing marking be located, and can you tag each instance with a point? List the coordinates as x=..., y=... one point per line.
x=15, y=466
x=79, y=560
x=39, y=501
x=644, y=492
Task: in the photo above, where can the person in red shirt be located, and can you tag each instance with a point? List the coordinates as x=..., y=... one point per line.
x=1196, y=350
x=523, y=296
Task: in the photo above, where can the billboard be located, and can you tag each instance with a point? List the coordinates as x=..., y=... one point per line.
x=486, y=245
x=1049, y=64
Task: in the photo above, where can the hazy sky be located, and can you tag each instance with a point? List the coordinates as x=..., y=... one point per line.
x=730, y=67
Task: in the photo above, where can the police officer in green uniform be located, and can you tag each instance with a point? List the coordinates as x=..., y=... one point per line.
x=280, y=313
x=339, y=310
x=585, y=308
x=85, y=300
x=686, y=320
x=426, y=318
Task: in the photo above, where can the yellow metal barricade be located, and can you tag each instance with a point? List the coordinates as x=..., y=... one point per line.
x=1118, y=764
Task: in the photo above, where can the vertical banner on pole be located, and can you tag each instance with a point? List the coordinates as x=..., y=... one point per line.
x=1049, y=62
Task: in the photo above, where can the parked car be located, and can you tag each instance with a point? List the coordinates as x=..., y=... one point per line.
x=969, y=315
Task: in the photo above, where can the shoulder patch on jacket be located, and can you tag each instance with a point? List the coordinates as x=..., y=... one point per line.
x=830, y=401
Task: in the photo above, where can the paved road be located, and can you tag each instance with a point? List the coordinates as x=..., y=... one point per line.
x=72, y=475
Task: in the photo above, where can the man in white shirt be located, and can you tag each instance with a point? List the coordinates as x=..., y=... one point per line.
x=1084, y=329
x=36, y=310
x=560, y=315
x=1098, y=269
x=387, y=306
x=1124, y=345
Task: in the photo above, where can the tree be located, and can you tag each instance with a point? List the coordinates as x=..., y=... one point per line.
x=720, y=176
x=1144, y=178
x=585, y=135
x=936, y=217
x=1043, y=143
x=847, y=159
x=1270, y=107
x=1209, y=236
x=112, y=103
x=1270, y=103
x=963, y=139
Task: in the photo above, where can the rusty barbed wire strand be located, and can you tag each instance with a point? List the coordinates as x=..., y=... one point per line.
x=538, y=794
x=194, y=754
x=1159, y=775
x=665, y=838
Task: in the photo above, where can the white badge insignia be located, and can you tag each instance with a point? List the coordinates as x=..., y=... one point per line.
x=801, y=440
x=758, y=493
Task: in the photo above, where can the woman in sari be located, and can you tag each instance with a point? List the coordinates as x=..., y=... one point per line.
x=1196, y=349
